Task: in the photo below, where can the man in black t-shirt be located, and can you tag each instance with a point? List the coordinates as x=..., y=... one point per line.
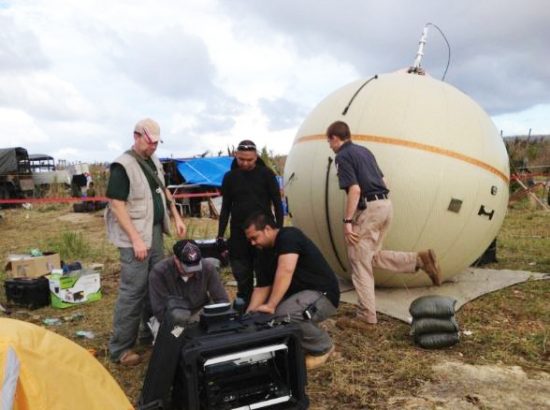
x=294, y=280
x=249, y=187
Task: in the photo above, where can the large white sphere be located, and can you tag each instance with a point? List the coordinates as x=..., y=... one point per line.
x=445, y=163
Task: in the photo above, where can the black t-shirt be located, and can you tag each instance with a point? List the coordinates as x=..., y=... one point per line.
x=312, y=270
x=119, y=187
x=357, y=165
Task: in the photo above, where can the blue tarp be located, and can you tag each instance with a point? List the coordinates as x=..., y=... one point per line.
x=204, y=171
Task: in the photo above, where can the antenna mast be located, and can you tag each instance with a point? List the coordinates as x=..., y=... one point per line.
x=416, y=68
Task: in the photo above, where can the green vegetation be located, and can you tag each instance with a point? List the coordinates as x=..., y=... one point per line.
x=529, y=152
x=510, y=326
x=70, y=245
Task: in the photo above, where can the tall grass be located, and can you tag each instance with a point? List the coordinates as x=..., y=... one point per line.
x=55, y=190
x=71, y=246
x=197, y=228
x=100, y=177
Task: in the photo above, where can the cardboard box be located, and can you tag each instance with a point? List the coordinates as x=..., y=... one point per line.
x=75, y=288
x=27, y=266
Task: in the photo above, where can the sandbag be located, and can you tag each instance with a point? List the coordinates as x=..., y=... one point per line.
x=429, y=325
x=437, y=340
x=433, y=306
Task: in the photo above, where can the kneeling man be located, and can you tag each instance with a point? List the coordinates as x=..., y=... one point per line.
x=185, y=275
x=294, y=279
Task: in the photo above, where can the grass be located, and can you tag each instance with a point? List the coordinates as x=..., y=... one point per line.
x=510, y=326
x=70, y=245
x=524, y=240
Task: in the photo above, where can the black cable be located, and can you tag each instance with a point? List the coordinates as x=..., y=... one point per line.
x=290, y=178
x=448, y=48
x=328, y=217
x=357, y=92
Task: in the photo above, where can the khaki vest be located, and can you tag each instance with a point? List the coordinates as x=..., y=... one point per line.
x=139, y=205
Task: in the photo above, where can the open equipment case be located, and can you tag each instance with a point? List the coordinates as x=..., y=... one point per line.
x=231, y=361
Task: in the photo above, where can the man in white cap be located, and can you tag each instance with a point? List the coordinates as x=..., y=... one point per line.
x=136, y=218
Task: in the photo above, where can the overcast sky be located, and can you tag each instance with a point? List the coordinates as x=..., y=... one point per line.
x=75, y=76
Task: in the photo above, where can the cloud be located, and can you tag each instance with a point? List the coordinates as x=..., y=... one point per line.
x=19, y=129
x=43, y=95
x=499, y=52
x=169, y=63
x=282, y=113
x=76, y=76
x=20, y=49
x=520, y=123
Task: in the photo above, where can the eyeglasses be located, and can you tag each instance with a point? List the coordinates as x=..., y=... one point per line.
x=246, y=147
x=147, y=138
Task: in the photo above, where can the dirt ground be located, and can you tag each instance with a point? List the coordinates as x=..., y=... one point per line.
x=503, y=363
x=460, y=386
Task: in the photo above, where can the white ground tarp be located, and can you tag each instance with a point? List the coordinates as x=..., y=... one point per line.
x=466, y=286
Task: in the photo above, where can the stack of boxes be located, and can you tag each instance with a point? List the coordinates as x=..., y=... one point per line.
x=35, y=281
x=25, y=284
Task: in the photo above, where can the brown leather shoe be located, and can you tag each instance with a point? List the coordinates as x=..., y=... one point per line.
x=354, y=323
x=129, y=358
x=313, y=362
x=431, y=266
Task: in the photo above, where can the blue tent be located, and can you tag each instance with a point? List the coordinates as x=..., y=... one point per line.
x=204, y=171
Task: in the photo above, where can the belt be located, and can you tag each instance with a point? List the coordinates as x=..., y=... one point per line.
x=375, y=197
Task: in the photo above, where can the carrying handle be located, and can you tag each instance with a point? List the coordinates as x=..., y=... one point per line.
x=483, y=212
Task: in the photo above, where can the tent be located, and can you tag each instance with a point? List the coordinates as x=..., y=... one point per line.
x=41, y=370
x=204, y=171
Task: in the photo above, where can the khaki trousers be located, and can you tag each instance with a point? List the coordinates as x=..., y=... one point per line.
x=372, y=224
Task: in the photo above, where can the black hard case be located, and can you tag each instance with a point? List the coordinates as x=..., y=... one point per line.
x=163, y=364
x=210, y=249
x=199, y=345
x=32, y=293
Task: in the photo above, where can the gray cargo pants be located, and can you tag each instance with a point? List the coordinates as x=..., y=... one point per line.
x=133, y=306
x=315, y=340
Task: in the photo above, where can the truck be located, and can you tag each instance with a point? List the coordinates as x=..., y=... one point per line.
x=24, y=175
x=15, y=173
x=45, y=173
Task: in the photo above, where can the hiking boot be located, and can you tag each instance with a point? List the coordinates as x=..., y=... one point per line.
x=313, y=362
x=354, y=323
x=431, y=266
x=129, y=358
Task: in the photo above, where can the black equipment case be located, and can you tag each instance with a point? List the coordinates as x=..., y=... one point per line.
x=250, y=361
x=163, y=364
x=210, y=248
x=258, y=366
x=32, y=293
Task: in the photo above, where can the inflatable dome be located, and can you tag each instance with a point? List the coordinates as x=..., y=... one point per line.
x=443, y=159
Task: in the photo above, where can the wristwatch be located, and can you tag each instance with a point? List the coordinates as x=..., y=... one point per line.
x=347, y=221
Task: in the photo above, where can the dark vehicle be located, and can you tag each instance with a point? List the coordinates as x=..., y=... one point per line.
x=15, y=173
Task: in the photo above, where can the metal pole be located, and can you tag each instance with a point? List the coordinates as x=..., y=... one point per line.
x=420, y=52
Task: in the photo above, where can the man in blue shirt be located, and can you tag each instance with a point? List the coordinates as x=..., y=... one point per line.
x=367, y=217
